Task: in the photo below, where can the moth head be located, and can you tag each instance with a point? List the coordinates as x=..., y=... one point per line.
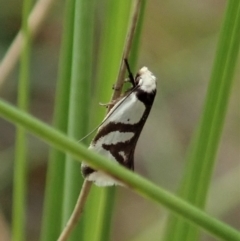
x=145, y=80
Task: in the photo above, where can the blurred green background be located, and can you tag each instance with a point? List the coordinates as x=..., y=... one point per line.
x=178, y=45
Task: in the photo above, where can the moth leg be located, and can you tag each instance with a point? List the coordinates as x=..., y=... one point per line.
x=104, y=104
x=111, y=103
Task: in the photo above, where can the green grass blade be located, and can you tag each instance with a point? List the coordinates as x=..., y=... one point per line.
x=139, y=184
x=202, y=159
x=104, y=220
x=20, y=165
x=137, y=39
x=221, y=107
x=112, y=42
x=79, y=103
x=51, y=221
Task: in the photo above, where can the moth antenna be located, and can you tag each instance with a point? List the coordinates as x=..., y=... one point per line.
x=130, y=75
x=83, y=138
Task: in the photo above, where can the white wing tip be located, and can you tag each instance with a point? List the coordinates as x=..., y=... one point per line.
x=102, y=180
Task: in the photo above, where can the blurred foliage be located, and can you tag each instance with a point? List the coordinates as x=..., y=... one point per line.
x=178, y=45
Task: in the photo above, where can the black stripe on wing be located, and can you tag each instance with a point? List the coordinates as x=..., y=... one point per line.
x=126, y=147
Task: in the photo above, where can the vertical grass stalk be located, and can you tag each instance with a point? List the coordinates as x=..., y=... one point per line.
x=202, y=159
x=51, y=220
x=81, y=76
x=20, y=165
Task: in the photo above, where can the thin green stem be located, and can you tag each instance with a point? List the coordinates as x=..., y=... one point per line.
x=51, y=221
x=202, y=159
x=78, y=121
x=20, y=165
x=221, y=107
x=136, y=182
x=104, y=218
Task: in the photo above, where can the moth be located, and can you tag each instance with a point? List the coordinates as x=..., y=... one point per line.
x=117, y=136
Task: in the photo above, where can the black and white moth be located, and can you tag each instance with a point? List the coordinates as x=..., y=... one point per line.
x=118, y=134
